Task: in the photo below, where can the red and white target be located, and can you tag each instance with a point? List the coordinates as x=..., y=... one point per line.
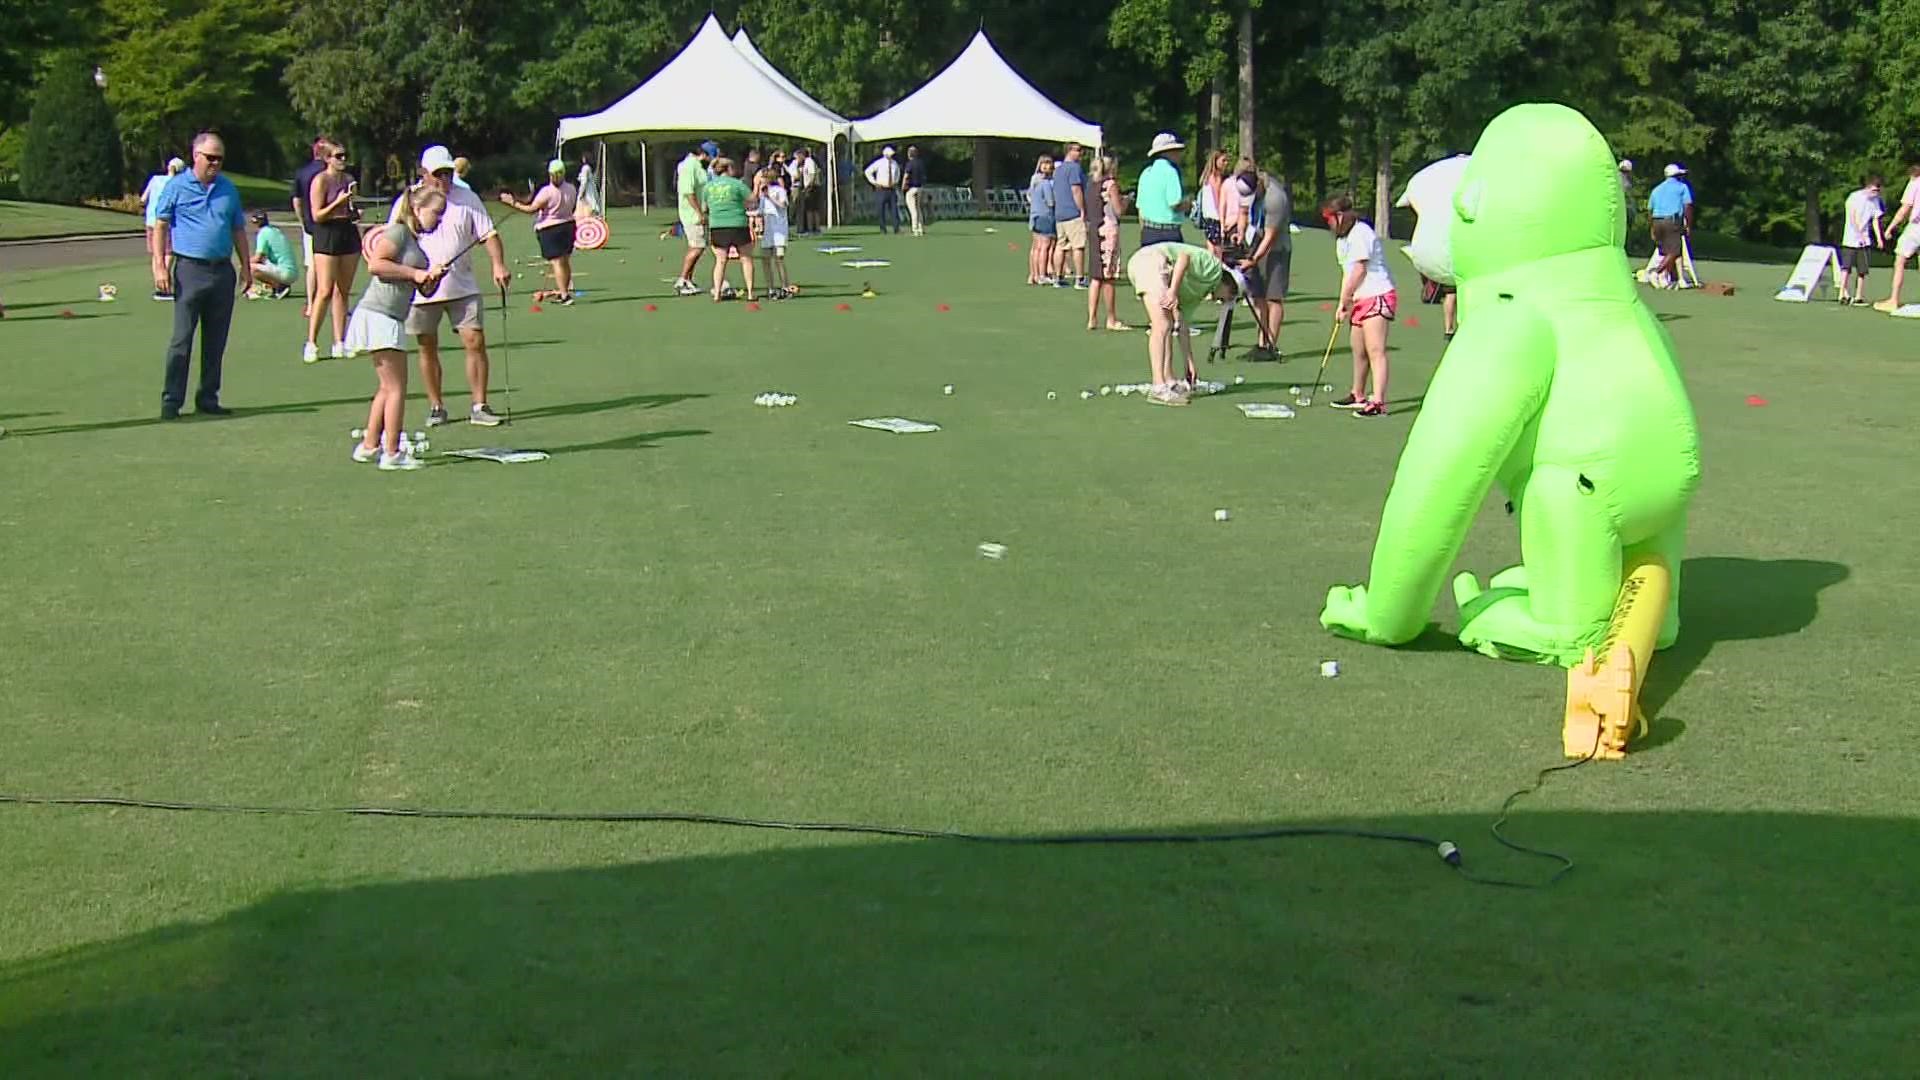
x=591, y=234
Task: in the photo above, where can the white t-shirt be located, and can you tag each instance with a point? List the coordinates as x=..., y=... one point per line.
x=464, y=219
x=1862, y=208
x=773, y=214
x=1911, y=198
x=1362, y=244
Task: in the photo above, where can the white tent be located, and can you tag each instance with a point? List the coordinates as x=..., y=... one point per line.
x=710, y=88
x=981, y=96
x=745, y=44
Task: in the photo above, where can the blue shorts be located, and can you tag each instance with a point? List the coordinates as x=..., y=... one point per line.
x=1042, y=225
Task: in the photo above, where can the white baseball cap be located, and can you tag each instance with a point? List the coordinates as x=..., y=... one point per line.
x=176, y=164
x=888, y=151
x=557, y=167
x=435, y=158
x=1164, y=142
x=1675, y=170
x=1626, y=164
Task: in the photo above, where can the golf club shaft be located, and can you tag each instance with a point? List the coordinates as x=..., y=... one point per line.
x=1332, y=336
x=506, y=354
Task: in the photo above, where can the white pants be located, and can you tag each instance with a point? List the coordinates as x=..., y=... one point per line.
x=913, y=210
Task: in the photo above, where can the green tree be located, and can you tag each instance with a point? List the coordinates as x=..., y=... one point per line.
x=73, y=148
x=1783, y=79
x=164, y=87
x=29, y=30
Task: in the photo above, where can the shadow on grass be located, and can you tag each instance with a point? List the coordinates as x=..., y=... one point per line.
x=1732, y=599
x=12, y=318
x=583, y=408
x=891, y=957
x=644, y=440
x=240, y=413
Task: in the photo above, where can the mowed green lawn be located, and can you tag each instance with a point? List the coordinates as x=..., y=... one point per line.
x=702, y=605
x=28, y=220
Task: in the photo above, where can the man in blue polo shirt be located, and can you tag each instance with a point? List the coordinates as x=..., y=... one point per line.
x=200, y=221
x=1671, y=206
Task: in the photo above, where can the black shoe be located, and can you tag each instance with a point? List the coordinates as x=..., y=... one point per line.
x=1263, y=356
x=169, y=412
x=1349, y=402
x=212, y=408
x=283, y=292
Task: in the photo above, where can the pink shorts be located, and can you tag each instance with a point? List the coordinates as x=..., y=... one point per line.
x=1385, y=306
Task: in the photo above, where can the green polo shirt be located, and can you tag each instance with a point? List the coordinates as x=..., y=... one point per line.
x=688, y=180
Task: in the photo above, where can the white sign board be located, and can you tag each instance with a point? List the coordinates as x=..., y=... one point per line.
x=1805, y=279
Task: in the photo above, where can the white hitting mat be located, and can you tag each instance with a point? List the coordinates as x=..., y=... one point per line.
x=504, y=455
x=1265, y=410
x=865, y=264
x=837, y=249
x=896, y=424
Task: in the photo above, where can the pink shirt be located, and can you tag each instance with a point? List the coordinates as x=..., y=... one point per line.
x=554, y=204
x=1233, y=206
x=465, y=220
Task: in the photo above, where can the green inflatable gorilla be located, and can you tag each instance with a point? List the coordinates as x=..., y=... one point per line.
x=1561, y=385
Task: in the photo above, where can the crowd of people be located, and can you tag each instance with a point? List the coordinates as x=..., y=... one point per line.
x=419, y=263
x=741, y=211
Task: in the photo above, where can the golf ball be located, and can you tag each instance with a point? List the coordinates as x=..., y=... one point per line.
x=993, y=551
x=947, y=389
x=1105, y=390
x=1294, y=390
x=1327, y=389
x=1220, y=515
x=1302, y=401
x=1330, y=669
x=1051, y=395
x=1239, y=380
x=357, y=433
x=1086, y=395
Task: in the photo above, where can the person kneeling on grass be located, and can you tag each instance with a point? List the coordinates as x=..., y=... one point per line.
x=1174, y=280
x=273, y=270
x=379, y=325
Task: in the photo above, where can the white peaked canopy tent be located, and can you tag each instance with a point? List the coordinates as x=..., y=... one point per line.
x=745, y=44
x=979, y=95
x=709, y=88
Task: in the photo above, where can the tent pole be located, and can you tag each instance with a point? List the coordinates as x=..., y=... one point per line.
x=646, y=197
x=833, y=178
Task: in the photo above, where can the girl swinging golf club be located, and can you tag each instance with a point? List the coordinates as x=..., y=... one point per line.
x=378, y=327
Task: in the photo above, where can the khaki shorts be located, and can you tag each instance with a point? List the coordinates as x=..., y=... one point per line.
x=1073, y=234
x=696, y=236
x=464, y=313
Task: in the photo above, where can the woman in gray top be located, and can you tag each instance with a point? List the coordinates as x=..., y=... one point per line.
x=398, y=266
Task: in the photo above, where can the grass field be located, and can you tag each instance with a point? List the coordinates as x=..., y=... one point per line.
x=701, y=605
x=30, y=220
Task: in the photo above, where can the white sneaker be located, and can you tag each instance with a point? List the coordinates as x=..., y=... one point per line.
x=362, y=453
x=339, y=350
x=310, y=353
x=400, y=462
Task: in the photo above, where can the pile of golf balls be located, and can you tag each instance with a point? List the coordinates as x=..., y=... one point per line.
x=774, y=400
x=992, y=550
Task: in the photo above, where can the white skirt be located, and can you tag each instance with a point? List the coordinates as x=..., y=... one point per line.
x=370, y=331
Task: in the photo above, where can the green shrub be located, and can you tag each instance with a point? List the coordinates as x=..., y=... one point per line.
x=72, y=150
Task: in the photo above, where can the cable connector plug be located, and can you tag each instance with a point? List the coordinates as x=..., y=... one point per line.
x=1449, y=853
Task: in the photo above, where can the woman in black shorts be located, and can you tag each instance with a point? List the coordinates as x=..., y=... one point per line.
x=553, y=225
x=336, y=250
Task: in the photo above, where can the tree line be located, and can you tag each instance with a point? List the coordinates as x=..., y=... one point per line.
x=1776, y=106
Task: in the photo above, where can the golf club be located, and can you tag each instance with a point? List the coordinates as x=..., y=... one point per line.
x=457, y=256
x=506, y=368
x=1332, y=335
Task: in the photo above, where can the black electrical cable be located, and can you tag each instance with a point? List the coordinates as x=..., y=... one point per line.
x=1447, y=850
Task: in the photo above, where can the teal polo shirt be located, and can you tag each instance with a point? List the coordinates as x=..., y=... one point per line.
x=1160, y=194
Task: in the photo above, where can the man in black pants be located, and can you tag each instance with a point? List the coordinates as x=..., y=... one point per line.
x=200, y=221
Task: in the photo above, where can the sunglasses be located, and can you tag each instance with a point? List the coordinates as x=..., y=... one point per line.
x=341, y=156
x=211, y=159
